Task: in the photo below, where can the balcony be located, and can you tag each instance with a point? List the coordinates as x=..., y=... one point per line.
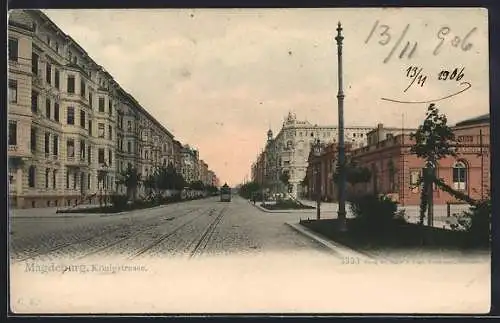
x=76, y=161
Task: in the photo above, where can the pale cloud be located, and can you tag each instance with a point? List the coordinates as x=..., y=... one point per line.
x=218, y=78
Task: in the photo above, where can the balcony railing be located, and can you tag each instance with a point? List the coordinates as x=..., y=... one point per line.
x=12, y=148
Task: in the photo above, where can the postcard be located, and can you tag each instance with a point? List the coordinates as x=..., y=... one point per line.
x=253, y=161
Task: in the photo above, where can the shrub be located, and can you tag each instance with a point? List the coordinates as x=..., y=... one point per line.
x=375, y=212
x=476, y=222
x=119, y=202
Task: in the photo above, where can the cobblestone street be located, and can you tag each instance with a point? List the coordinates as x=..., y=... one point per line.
x=188, y=229
x=196, y=256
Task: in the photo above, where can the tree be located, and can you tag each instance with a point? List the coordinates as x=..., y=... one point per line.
x=197, y=185
x=248, y=189
x=285, y=179
x=434, y=140
x=354, y=174
x=131, y=178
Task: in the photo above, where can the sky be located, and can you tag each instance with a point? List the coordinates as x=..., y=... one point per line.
x=219, y=78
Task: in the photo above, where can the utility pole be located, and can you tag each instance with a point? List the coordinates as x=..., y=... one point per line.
x=340, y=100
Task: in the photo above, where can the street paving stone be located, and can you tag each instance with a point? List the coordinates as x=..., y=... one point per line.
x=241, y=229
x=244, y=249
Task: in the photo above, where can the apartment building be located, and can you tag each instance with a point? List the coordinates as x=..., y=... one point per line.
x=72, y=128
x=189, y=164
x=289, y=151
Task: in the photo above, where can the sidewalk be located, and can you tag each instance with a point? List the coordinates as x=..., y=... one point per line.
x=412, y=212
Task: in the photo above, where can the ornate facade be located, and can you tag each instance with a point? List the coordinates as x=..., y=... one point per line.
x=72, y=128
x=289, y=151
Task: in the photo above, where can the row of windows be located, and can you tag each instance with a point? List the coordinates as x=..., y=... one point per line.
x=325, y=134
x=71, y=178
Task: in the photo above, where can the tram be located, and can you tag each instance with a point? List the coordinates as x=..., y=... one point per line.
x=225, y=193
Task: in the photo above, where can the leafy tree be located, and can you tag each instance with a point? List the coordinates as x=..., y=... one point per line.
x=248, y=189
x=434, y=140
x=197, y=185
x=354, y=174
x=131, y=178
x=285, y=178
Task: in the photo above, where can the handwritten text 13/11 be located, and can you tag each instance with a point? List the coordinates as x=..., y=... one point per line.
x=385, y=35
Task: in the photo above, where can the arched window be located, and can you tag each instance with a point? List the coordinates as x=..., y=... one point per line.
x=459, y=175
x=31, y=176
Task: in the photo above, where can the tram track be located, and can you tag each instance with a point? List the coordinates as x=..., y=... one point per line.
x=167, y=235
x=201, y=243
x=147, y=227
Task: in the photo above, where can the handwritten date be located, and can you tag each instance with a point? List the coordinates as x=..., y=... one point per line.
x=407, y=48
x=415, y=74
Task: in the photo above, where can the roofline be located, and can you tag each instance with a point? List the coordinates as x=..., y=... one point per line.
x=40, y=14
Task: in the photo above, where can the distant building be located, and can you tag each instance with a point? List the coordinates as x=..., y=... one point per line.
x=289, y=151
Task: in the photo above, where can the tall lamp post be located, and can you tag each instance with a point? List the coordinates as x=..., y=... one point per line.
x=317, y=169
x=340, y=100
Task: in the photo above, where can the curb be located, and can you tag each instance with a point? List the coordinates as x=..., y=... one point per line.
x=341, y=250
x=96, y=215
x=306, y=211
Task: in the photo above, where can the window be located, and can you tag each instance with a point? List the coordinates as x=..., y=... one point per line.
x=89, y=154
x=129, y=147
x=101, y=104
x=54, y=179
x=101, y=130
x=70, y=117
x=110, y=157
x=34, y=101
x=90, y=127
x=88, y=181
x=82, y=88
x=12, y=91
x=33, y=139
x=13, y=49
x=56, y=111
x=110, y=107
x=100, y=156
x=70, y=148
x=74, y=181
x=47, y=108
x=82, y=119
x=90, y=100
x=47, y=171
x=48, y=73
x=55, y=143
x=71, y=84
x=12, y=133
x=459, y=176
x=48, y=40
x=82, y=149
x=110, y=131
x=34, y=63
x=414, y=178
x=146, y=154
x=31, y=176
x=56, y=78
x=47, y=143
x=67, y=180
x=129, y=125
x=57, y=47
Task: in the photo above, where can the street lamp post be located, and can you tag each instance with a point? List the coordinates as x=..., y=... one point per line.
x=317, y=155
x=340, y=100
